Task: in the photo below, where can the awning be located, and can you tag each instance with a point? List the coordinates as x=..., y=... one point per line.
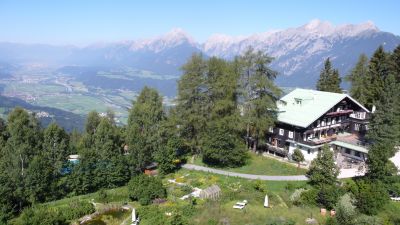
x=350, y=146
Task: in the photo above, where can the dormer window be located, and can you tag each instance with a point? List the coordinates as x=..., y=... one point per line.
x=298, y=101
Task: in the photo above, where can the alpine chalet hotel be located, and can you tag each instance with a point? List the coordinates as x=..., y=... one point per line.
x=309, y=119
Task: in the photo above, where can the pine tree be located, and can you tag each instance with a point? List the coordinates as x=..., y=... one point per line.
x=358, y=78
x=111, y=168
x=378, y=70
x=298, y=156
x=323, y=170
x=192, y=101
x=384, y=129
x=23, y=143
x=107, y=143
x=223, y=146
x=55, y=147
x=40, y=180
x=92, y=121
x=395, y=58
x=172, y=148
x=259, y=93
x=143, y=128
x=329, y=79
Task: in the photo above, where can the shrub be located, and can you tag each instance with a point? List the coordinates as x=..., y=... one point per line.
x=309, y=197
x=290, y=187
x=152, y=214
x=41, y=216
x=145, y=188
x=298, y=156
x=280, y=221
x=103, y=196
x=328, y=195
x=370, y=196
x=177, y=219
x=78, y=209
x=345, y=210
x=296, y=196
x=258, y=185
x=332, y=221
x=186, y=189
x=370, y=220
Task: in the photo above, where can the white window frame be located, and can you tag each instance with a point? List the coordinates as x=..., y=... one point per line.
x=290, y=135
x=271, y=129
x=281, y=131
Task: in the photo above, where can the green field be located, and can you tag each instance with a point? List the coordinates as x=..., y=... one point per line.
x=80, y=101
x=261, y=165
x=76, y=103
x=33, y=88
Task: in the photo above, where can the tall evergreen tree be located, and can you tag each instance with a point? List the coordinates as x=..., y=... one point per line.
x=107, y=143
x=111, y=167
x=22, y=145
x=222, y=144
x=378, y=70
x=323, y=170
x=358, y=78
x=395, y=58
x=92, y=121
x=329, y=79
x=384, y=129
x=192, y=101
x=143, y=128
x=55, y=147
x=259, y=93
x=172, y=148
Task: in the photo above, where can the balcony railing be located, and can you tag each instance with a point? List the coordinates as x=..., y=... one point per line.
x=276, y=149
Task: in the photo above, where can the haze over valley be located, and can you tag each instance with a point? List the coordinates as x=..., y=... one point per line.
x=104, y=76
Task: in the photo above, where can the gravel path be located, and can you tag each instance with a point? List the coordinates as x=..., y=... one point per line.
x=244, y=175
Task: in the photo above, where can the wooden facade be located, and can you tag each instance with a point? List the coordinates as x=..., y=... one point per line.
x=344, y=119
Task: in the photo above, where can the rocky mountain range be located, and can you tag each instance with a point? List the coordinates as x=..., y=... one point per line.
x=299, y=52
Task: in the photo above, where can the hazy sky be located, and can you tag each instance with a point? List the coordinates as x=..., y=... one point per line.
x=86, y=21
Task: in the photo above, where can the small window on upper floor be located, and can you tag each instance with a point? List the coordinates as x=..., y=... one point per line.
x=281, y=132
x=290, y=134
x=271, y=129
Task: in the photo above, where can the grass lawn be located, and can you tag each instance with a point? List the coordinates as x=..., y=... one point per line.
x=261, y=165
x=238, y=189
x=211, y=212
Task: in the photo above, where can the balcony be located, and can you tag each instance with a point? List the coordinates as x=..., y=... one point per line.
x=353, y=139
x=340, y=113
x=276, y=149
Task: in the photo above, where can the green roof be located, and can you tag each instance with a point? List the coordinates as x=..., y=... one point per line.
x=302, y=107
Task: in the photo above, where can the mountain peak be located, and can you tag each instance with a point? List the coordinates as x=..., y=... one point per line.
x=174, y=37
x=177, y=34
x=318, y=24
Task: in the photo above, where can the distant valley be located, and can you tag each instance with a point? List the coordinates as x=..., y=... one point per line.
x=109, y=75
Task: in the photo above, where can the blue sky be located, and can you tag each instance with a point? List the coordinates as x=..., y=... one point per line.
x=85, y=21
